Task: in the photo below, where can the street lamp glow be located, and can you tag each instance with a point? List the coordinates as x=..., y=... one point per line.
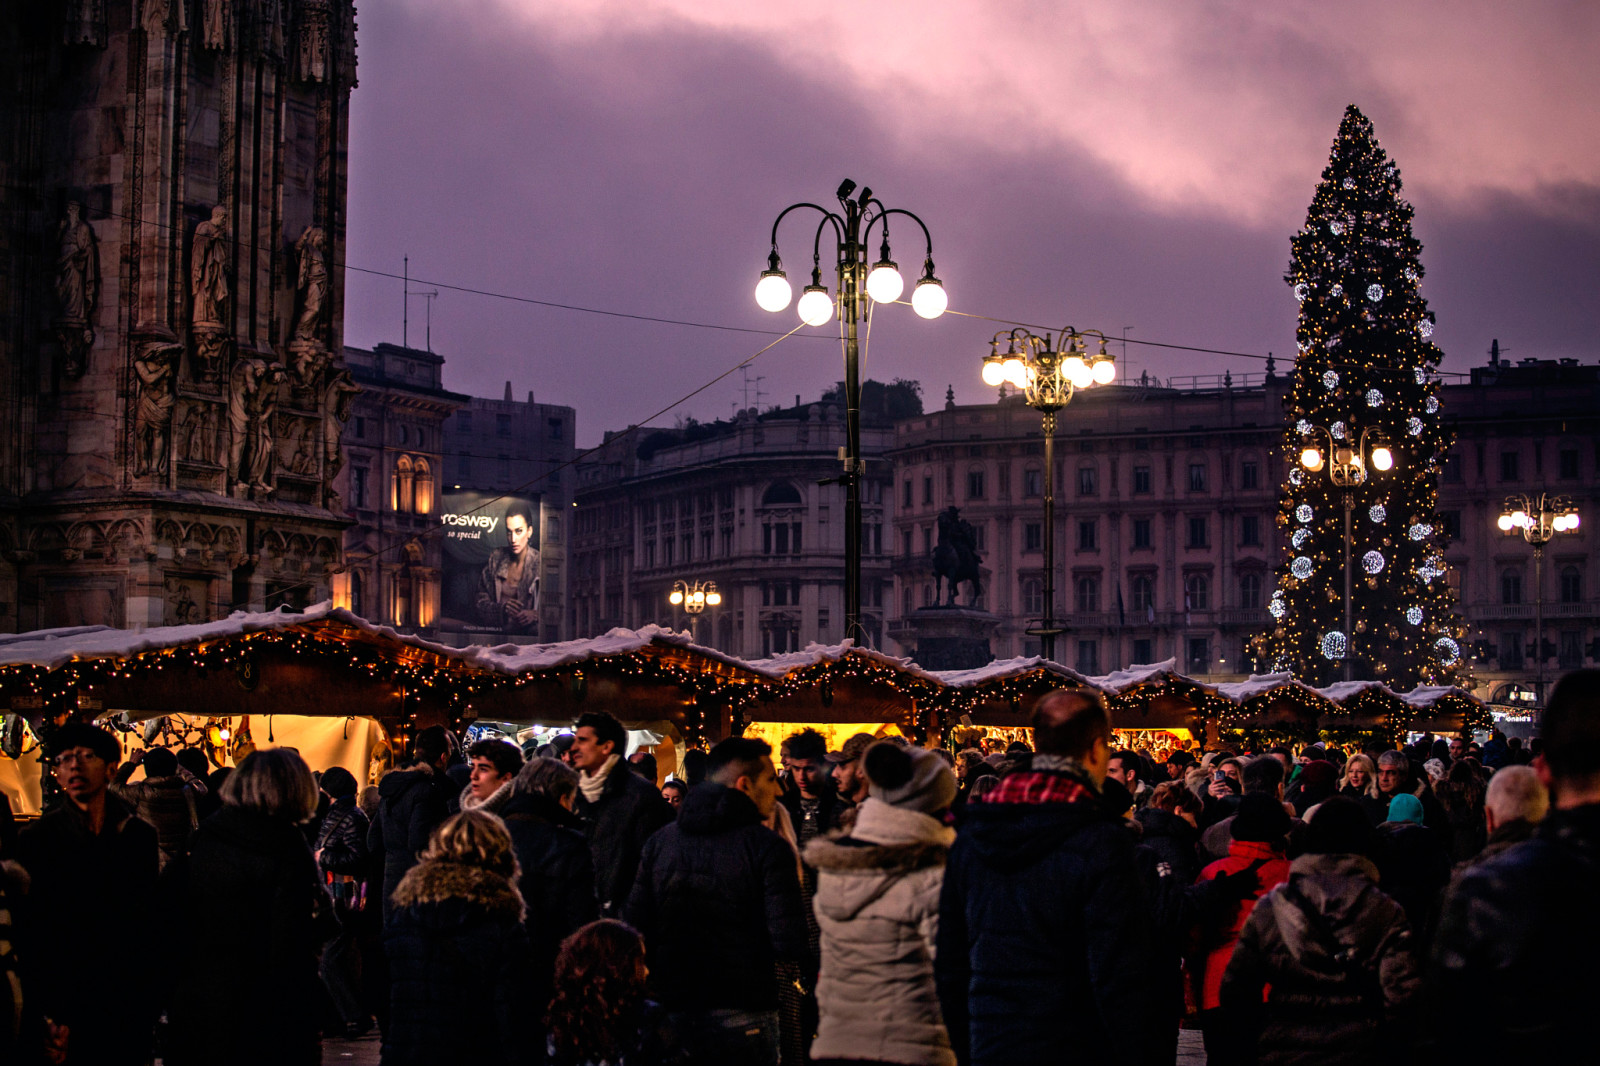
x=1311, y=459
x=1519, y=519
x=1505, y=523
x=928, y=299
x=676, y=597
x=994, y=371
x=885, y=284
x=714, y=598
x=815, y=306
x=1079, y=373
x=1572, y=521
x=772, y=291
x=1382, y=458
x=1105, y=371
x=1012, y=371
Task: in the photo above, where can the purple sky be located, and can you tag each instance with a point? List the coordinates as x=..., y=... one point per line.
x=1106, y=163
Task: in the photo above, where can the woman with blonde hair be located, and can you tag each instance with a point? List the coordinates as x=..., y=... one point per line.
x=252, y=916
x=458, y=949
x=1360, y=783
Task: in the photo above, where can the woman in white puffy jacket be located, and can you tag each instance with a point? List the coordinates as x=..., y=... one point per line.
x=877, y=902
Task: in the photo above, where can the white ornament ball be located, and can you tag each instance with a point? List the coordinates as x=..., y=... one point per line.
x=1330, y=379
x=1420, y=531
x=1300, y=537
x=1338, y=430
x=1276, y=609
x=1414, y=426
x=1303, y=427
x=1374, y=398
x=1303, y=514
x=1336, y=228
x=1411, y=274
x=1296, y=478
x=1349, y=183
x=1414, y=615
x=1431, y=405
x=1337, y=290
x=1425, y=328
x=1300, y=291
x=1301, y=567
x=1372, y=562
x=1334, y=644
x=1377, y=512
x=1374, y=293
x=1422, y=376
x=1447, y=650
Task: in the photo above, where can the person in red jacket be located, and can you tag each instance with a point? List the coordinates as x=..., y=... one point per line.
x=1260, y=831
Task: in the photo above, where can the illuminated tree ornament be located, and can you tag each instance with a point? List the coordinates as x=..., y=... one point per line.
x=1298, y=540
x=1337, y=290
x=1349, y=183
x=1300, y=291
x=1447, y=650
x=1338, y=430
x=1374, y=293
x=1374, y=398
x=1296, y=478
x=1337, y=229
x=1276, y=609
x=1334, y=644
x=1303, y=427
x=1303, y=514
x=1330, y=379
x=1372, y=562
x=1377, y=512
x=1431, y=405
x=1414, y=426
x=1301, y=567
x=1421, y=376
x=1420, y=531
x=1425, y=328
x=1414, y=615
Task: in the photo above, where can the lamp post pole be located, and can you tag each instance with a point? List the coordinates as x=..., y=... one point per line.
x=1538, y=518
x=852, y=226
x=1349, y=660
x=1048, y=378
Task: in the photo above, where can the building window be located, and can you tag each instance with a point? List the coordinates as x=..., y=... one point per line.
x=1141, y=532
x=906, y=601
x=1086, y=481
x=1197, y=593
x=1142, y=591
x=727, y=541
x=927, y=490
x=502, y=425
x=905, y=543
x=1511, y=649
x=1032, y=482
x=1450, y=522
x=905, y=495
x=400, y=485
x=1032, y=537
x=1197, y=477
x=422, y=488
x=1508, y=466
x=556, y=428
x=1250, y=592
x=361, y=427
x=1088, y=657
x=927, y=595
x=1452, y=468
x=1197, y=531
x=1033, y=596
x=1141, y=481
x=781, y=494
x=927, y=540
x=1511, y=586
x=949, y=482
x=1142, y=652
x=1088, y=540
x=1250, y=530
x=504, y=462
x=1570, y=655
x=359, y=478
x=1571, y=585
x=1568, y=464
x=1199, y=655
x=464, y=467
x=1088, y=589
x=974, y=484
x=1249, y=474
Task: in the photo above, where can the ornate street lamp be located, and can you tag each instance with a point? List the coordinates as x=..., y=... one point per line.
x=1047, y=378
x=1538, y=518
x=852, y=228
x=1346, y=465
x=694, y=597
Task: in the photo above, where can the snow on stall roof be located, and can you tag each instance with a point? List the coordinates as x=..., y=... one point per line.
x=779, y=666
x=1136, y=675
x=1005, y=669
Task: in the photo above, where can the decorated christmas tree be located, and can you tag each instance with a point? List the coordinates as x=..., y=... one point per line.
x=1364, y=438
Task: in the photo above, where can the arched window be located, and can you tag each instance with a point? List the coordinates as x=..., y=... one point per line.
x=1571, y=585
x=1250, y=592
x=907, y=603
x=1142, y=591
x=400, y=485
x=781, y=494
x=1510, y=586
x=1088, y=595
x=1197, y=592
x=422, y=488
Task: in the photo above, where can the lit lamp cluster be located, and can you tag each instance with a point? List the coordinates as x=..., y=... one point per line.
x=1538, y=518
x=1047, y=376
x=694, y=597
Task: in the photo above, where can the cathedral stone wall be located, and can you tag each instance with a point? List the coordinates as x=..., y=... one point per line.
x=172, y=227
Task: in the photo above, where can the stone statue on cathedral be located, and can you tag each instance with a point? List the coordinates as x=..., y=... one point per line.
x=155, y=368
x=208, y=283
x=77, y=282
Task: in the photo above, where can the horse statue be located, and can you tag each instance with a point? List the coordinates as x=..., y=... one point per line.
x=956, y=558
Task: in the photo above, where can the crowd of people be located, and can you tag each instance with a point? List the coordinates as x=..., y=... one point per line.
x=878, y=904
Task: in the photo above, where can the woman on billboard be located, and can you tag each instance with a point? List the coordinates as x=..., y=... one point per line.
x=508, y=588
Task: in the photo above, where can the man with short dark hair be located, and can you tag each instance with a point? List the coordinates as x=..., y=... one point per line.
x=718, y=901
x=622, y=809
x=1517, y=932
x=1124, y=769
x=493, y=764
x=850, y=780
x=92, y=863
x=813, y=802
x=411, y=802
x=163, y=800
x=1044, y=926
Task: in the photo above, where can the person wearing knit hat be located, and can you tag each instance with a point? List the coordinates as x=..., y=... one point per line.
x=877, y=902
x=1318, y=779
x=1405, y=808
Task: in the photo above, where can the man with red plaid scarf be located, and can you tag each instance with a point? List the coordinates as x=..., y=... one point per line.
x=1045, y=948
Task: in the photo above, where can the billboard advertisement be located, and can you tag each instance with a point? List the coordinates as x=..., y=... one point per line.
x=491, y=563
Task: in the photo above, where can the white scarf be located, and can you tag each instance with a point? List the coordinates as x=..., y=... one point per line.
x=492, y=805
x=593, y=784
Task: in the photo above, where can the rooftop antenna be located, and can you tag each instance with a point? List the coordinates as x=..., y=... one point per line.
x=405, y=299
x=430, y=296
x=748, y=380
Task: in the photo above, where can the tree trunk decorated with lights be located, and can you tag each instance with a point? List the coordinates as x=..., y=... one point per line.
x=1364, y=441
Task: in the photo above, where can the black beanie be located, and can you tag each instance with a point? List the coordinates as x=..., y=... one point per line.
x=1261, y=818
x=1339, y=827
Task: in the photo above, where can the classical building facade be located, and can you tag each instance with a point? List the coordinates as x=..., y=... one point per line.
x=737, y=503
x=172, y=219
x=395, y=458
x=1166, y=535
x=524, y=449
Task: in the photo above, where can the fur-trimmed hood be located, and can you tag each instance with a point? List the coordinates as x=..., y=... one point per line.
x=846, y=856
x=459, y=890
x=886, y=845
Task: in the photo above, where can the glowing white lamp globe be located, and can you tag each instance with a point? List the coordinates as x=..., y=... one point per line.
x=1105, y=371
x=885, y=284
x=928, y=299
x=1505, y=523
x=714, y=598
x=815, y=306
x=1080, y=373
x=1382, y=458
x=1011, y=370
x=1572, y=521
x=772, y=291
x=676, y=597
x=994, y=372
x=1311, y=459
x=1519, y=519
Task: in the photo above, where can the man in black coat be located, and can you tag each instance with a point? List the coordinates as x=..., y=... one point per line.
x=411, y=803
x=622, y=808
x=718, y=902
x=1045, y=947
x=1512, y=971
x=92, y=863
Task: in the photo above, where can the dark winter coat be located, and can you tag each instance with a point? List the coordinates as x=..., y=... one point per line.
x=1516, y=938
x=1336, y=957
x=628, y=813
x=411, y=804
x=250, y=916
x=557, y=880
x=1174, y=842
x=1044, y=941
x=1377, y=810
x=167, y=804
x=460, y=977
x=1503, y=839
x=84, y=885
x=1413, y=868
x=718, y=902
x=342, y=840
x=830, y=807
